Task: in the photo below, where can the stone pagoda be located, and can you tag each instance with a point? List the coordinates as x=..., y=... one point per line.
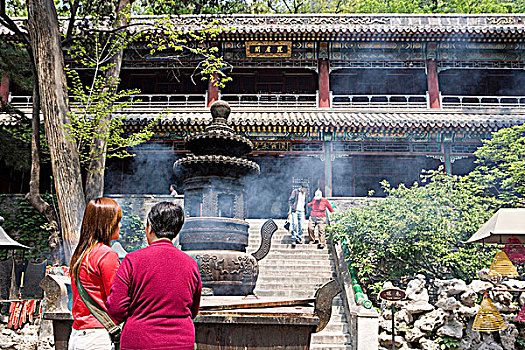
x=215, y=232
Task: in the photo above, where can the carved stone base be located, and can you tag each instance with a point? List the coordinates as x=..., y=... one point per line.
x=227, y=272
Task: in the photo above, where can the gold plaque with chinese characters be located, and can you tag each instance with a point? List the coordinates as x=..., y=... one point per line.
x=268, y=49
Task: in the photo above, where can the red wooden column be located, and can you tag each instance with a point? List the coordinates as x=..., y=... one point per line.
x=433, y=84
x=213, y=90
x=4, y=88
x=324, y=84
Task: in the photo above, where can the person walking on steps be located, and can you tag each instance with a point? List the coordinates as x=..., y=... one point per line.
x=318, y=219
x=297, y=202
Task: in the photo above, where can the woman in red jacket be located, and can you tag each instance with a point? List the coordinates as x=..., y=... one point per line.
x=318, y=219
x=157, y=289
x=96, y=265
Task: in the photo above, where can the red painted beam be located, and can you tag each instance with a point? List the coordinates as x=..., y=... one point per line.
x=433, y=84
x=324, y=84
x=4, y=88
x=213, y=90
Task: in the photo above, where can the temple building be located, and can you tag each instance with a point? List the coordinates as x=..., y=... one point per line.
x=340, y=101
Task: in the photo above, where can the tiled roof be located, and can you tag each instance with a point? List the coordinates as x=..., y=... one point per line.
x=348, y=119
x=346, y=24
x=344, y=119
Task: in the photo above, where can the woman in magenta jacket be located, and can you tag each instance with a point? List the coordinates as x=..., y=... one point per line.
x=157, y=289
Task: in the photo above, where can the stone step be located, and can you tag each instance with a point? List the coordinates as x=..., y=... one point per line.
x=290, y=247
x=341, y=327
x=297, y=256
x=293, y=269
x=256, y=234
x=284, y=293
x=289, y=293
x=297, y=272
x=299, y=248
x=276, y=238
x=292, y=280
x=276, y=285
x=330, y=338
x=285, y=263
x=329, y=347
x=338, y=318
x=295, y=278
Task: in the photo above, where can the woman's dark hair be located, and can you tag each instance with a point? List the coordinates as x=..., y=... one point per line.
x=101, y=219
x=166, y=219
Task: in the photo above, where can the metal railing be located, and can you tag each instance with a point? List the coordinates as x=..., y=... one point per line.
x=21, y=101
x=456, y=101
x=167, y=101
x=146, y=101
x=379, y=101
x=271, y=100
x=163, y=101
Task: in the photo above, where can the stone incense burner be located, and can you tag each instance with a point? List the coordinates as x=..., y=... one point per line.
x=215, y=232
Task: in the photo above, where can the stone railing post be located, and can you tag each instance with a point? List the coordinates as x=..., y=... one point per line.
x=364, y=323
x=56, y=308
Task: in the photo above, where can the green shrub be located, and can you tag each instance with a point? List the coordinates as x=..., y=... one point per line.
x=417, y=229
x=27, y=226
x=132, y=235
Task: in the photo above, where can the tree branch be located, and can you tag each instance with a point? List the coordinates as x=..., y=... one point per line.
x=72, y=18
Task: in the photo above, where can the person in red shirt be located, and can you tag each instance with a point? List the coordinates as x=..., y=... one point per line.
x=157, y=289
x=96, y=265
x=318, y=219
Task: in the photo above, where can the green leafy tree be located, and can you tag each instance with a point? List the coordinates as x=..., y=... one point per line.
x=433, y=6
x=386, y=6
x=28, y=227
x=132, y=230
x=500, y=169
x=417, y=229
x=188, y=7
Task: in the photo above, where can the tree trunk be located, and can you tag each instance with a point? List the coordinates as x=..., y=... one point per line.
x=97, y=164
x=45, y=37
x=33, y=196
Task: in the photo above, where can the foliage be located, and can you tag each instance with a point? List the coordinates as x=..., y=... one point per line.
x=27, y=226
x=433, y=6
x=191, y=7
x=132, y=231
x=447, y=343
x=14, y=61
x=91, y=120
x=15, y=140
x=388, y=6
x=501, y=165
x=14, y=153
x=168, y=38
x=417, y=229
x=95, y=116
x=16, y=8
x=521, y=342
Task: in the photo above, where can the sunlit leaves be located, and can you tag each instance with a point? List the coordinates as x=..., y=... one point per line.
x=95, y=115
x=167, y=37
x=500, y=166
x=418, y=229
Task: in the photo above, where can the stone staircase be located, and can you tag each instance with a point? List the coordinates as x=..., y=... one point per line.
x=299, y=272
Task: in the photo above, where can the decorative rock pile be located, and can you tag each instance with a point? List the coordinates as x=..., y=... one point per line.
x=447, y=322
x=30, y=337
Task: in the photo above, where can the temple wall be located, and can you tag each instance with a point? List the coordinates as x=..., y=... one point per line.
x=141, y=204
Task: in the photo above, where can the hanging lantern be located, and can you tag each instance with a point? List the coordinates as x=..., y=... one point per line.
x=488, y=318
x=502, y=266
x=515, y=250
x=521, y=315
